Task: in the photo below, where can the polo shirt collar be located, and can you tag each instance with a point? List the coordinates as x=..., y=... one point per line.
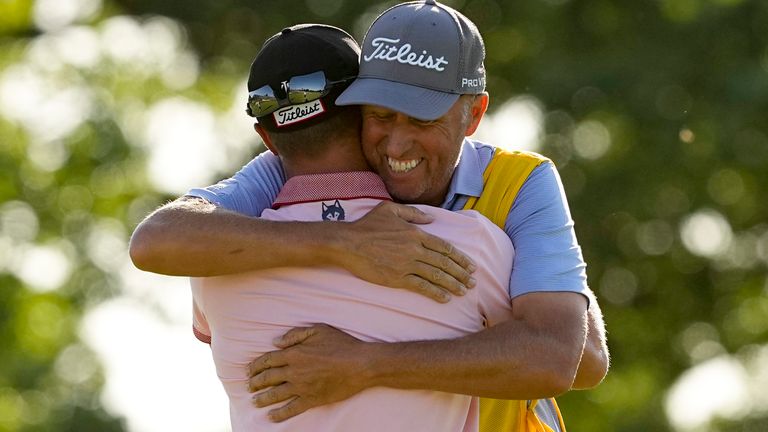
x=323, y=187
x=467, y=178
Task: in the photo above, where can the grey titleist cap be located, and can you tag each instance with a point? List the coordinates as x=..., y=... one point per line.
x=418, y=58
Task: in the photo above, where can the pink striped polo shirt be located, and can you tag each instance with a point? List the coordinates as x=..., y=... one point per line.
x=240, y=314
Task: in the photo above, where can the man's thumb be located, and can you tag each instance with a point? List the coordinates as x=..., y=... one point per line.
x=412, y=214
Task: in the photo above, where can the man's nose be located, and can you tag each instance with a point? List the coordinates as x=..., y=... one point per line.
x=401, y=137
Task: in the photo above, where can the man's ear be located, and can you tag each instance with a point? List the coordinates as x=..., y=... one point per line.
x=265, y=137
x=476, y=112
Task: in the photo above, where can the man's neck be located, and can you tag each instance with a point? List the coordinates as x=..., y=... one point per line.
x=341, y=158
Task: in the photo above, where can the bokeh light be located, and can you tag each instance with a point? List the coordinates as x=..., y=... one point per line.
x=516, y=125
x=715, y=387
x=706, y=233
x=591, y=139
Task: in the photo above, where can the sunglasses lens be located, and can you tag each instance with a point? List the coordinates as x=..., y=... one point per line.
x=301, y=89
x=306, y=88
x=262, y=101
x=264, y=106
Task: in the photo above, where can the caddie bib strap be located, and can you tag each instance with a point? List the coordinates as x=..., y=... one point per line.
x=502, y=180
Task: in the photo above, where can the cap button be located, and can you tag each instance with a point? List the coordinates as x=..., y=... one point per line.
x=286, y=30
x=429, y=2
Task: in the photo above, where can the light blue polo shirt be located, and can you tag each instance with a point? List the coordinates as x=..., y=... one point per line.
x=547, y=255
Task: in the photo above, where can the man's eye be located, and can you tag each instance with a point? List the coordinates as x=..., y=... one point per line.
x=380, y=115
x=423, y=122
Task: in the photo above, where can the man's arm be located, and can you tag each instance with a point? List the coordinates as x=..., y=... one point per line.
x=595, y=359
x=533, y=355
x=549, y=258
x=192, y=237
x=543, y=339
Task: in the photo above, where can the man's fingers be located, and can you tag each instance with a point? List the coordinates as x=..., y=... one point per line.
x=446, y=272
x=421, y=286
x=264, y=362
x=268, y=378
x=464, y=264
x=439, y=278
x=293, y=336
x=293, y=408
x=273, y=395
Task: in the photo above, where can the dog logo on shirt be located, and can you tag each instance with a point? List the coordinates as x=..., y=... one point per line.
x=333, y=212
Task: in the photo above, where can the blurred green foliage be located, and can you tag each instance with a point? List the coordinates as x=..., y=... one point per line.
x=654, y=112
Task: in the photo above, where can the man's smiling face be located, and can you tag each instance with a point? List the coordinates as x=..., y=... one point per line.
x=416, y=158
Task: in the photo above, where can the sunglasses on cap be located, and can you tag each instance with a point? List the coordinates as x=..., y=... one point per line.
x=299, y=89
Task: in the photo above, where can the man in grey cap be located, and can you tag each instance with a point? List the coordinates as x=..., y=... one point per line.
x=293, y=83
x=422, y=85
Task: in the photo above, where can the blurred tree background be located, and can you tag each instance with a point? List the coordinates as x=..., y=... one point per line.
x=655, y=112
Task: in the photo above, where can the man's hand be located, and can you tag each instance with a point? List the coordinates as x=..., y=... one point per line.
x=384, y=247
x=316, y=366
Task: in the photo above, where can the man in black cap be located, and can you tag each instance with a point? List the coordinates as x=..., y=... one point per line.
x=414, y=136
x=293, y=84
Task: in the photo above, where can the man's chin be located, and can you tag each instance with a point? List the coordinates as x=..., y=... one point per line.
x=411, y=192
x=405, y=197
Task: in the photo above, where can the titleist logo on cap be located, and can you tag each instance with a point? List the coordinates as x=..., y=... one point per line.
x=387, y=49
x=297, y=113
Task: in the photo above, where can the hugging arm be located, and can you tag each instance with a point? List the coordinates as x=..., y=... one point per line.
x=193, y=237
x=533, y=355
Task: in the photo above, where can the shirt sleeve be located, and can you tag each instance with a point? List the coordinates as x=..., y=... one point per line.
x=251, y=190
x=547, y=254
x=200, y=324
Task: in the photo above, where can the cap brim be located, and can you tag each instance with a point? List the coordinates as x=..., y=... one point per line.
x=413, y=101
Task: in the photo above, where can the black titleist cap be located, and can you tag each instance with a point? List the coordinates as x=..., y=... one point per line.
x=298, y=51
